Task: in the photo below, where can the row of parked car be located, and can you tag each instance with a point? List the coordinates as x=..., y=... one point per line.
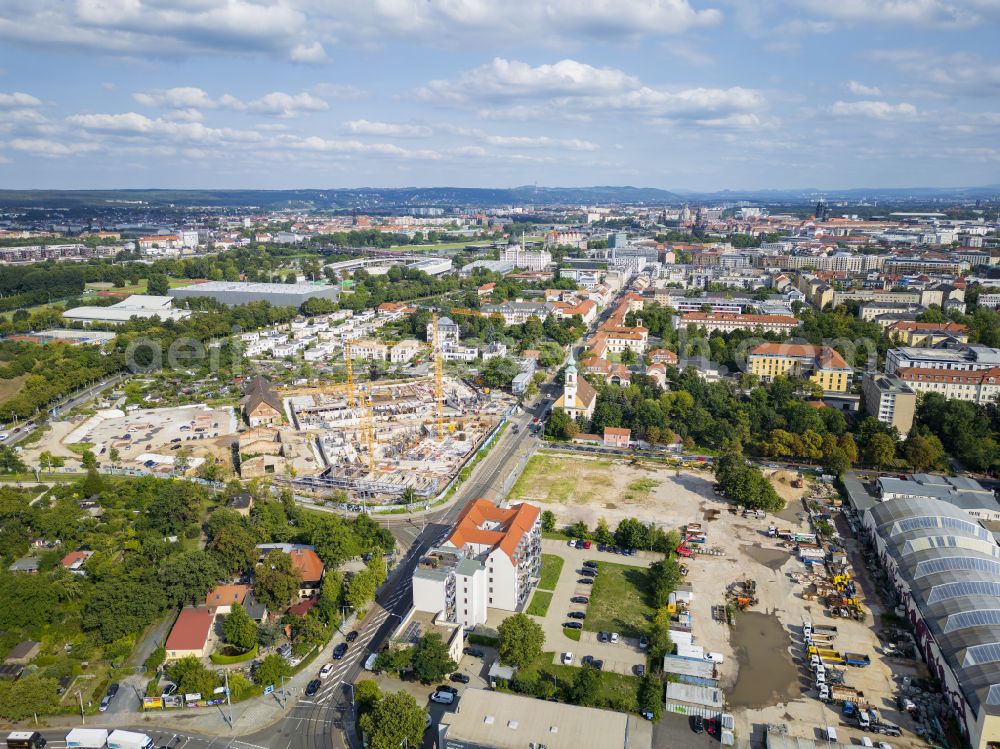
x=579, y=543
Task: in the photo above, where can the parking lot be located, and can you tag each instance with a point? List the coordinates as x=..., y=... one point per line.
x=621, y=657
x=149, y=438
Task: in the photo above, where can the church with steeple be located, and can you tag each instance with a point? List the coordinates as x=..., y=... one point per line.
x=579, y=397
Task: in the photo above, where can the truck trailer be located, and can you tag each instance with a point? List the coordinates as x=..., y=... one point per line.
x=87, y=738
x=857, y=659
x=129, y=740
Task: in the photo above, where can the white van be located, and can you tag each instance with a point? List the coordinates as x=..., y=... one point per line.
x=831, y=734
x=444, y=698
x=370, y=662
x=824, y=692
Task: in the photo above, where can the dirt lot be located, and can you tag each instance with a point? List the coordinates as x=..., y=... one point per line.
x=763, y=673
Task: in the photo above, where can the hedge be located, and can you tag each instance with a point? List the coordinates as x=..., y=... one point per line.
x=490, y=642
x=224, y=660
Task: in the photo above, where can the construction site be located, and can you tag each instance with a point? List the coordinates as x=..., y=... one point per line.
x=383, y=440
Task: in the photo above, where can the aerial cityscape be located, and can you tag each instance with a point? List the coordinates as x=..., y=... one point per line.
x=499, y=375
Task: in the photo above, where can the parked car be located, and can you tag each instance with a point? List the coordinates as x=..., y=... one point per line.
x=340, y=650
x=105, y=703
x=567, y=658
x=586, y=544
x=643, y=642
x=591, y=564
x=571, y=543
x=586, y=580
x=168, y=689
x=326, y=670
x=576, y=615
x=352, y=635
x=579, y=599
x=614, y=637
x=312, y=687
x=698, y=724
x=474, y=652
x=446, y=688
x=602, y=636
x=586, y=571
x=461, y=678
x=443, y=698
x=598, y=664
x=573, y=625
x=639, y=670
x=602, y=547
x=587, y=660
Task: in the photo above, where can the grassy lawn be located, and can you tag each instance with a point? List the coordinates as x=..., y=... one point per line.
x=557, y=535
x=619, y=601
x=572, y=634
x=539, y=605
x=551, y=567
x=616, y=691
x=564, y=480
x=10, y=388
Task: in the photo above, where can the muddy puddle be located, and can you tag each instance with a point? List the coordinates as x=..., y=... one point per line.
x=767, y=674
x=793, y=512
x=773, y=559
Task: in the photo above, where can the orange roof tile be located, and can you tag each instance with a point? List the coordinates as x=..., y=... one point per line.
x=512, y=523
x=191, y=629
x=308, y=563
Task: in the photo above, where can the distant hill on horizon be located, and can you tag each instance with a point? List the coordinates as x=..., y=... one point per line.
x=372, y=198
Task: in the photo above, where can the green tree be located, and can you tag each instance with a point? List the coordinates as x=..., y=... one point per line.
x=114, y=457
x=586, y=686
x=394, y=720
x=664, y=577
x=240, y=630
x=923, y=451
x=366, y=695
x=10, y=461
x=360, y=590
x=431, y=661
x=157, y=284
x=499, y=372
x=548, y=521
x=521, y=640
x=234, y=547
x=29, y=695
x=659, y=634
x=632, y=534
x=560, y=425
x=271, y=669
x=191, y=676
x=650, y=695
x=277, y=580
x=187, y=577
x=88, y=460
x=880, y=450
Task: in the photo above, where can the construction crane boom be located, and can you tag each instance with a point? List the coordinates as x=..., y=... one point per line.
x=349, y=364
x=438, y=377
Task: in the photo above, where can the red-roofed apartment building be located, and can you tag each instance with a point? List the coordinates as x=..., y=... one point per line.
x=491, y=559
x=190, y=633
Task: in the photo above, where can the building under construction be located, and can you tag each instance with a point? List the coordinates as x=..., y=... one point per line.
x=380, y=439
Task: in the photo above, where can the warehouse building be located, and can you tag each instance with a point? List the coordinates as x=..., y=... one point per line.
x=232, y=293
x=946, y=570
x=499, y=720
x=137, y=305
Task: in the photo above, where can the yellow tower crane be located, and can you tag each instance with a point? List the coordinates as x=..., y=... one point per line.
x=368, y=425
x=438, y=377
x=349, y=364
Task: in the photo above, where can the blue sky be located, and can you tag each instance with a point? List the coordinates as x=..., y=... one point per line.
x=678, y=94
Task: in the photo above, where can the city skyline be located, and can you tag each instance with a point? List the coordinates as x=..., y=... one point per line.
x=681, y=95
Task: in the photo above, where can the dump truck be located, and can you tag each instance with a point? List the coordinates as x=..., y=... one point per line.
x=828, y=629
x=839, y=693
x=857, y=659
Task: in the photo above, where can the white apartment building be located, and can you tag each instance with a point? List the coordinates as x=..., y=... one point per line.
x=728, y=322
x=454, y=352
x=403, y=351
x=491, y=559
x=516, y=313
x=978, y=386
x=448, y=331
x=533, y=260
x=968, y=358
x=369, y=350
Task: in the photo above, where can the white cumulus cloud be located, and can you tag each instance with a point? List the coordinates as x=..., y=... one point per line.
x=388, y=129
x=876, y=110
x=276, y=103
x=52, y=148
x=18, y=100
x=860, y=89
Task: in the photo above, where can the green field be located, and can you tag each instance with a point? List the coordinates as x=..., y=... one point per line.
x=562, y=479
x=619, y=601
x=551, y=568
x=539, y=605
